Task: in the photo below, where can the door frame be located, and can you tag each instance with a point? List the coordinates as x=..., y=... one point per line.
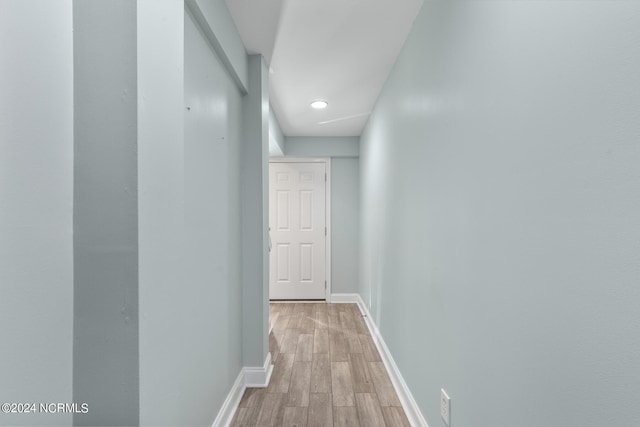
x=327, y=214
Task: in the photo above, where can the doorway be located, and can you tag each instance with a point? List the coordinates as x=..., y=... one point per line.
x=299, y=229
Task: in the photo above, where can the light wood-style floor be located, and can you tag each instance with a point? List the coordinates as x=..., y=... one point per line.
x=327, y=372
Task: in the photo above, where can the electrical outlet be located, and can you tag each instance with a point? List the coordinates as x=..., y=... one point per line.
x=445, y=407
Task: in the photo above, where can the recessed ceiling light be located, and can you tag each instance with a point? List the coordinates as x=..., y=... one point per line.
x=318, y=105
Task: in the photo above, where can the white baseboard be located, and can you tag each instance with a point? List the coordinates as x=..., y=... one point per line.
x=409, y=404
x=259, y=377
x=248, y=377
x=228, y=410
x=345, y=298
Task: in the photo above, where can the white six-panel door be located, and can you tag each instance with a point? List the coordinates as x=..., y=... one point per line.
x=297, y=223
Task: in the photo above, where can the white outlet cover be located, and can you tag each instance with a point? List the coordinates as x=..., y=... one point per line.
x=445, y=407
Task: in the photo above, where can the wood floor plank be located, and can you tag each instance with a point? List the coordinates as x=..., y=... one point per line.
x=282, y=323
x=338, y=347
x=295, y=320
x=278, y=334
x=334, y=321
x=362, y=381
x=320, y=410
x=341, y=384
x=320, y=374
x=300, y=384
x=346, y=320
x=384, y=388
x=369, y=410
x=252, y=397
x=272, y=410
x=294, y=417
x=321, y=341
x=360, y=324
x=346, y=416
x=290, y=342
x=281, y=376
x=321, y=307
x=308, y=324
x=308, y=309
x=285, y=308
x=246, y=417
x=275, y=339
x=273, y=318
x=304, y=351
x=395, y=417
x=368, y=348
x=354, y=309
x=353, y=341
x=321, y=319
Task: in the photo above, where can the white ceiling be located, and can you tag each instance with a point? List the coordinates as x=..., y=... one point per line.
x=340, y=51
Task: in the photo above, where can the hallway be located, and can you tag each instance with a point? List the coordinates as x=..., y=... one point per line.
x=482, y=196
x=327, y=372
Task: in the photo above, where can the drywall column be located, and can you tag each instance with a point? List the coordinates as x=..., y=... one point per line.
x=105, y=350
x=255, y=220
x=161, y=208
x=36, y=194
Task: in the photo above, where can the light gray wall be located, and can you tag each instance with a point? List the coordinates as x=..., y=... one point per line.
x=255, y=215
x=36, y=217
x=500, y=198
x=322, y=146
x=276, y=137
x=105, y=215
x=345, y=224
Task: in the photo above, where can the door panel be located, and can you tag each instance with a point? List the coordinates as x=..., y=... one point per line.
x=297, y=221
x=306, y=210
x=306, y=262
x=283, y=262
x=282, y=206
